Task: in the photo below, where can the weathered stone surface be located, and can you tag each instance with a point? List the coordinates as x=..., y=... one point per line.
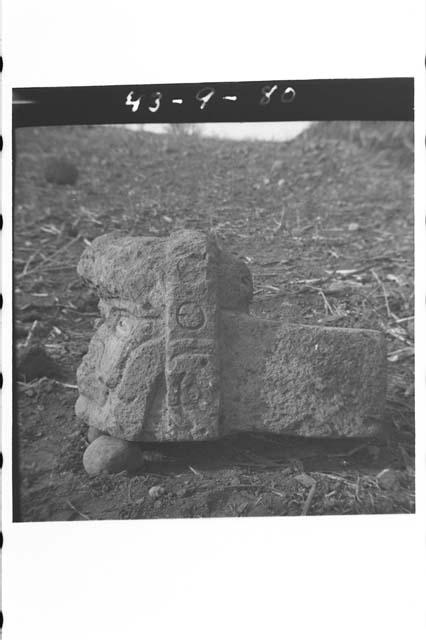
x=152, y=369
x=179, y=358
x=300, y=379
x=133, y=269
x=111, y=455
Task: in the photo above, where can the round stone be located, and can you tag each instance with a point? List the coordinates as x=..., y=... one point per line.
x=156, y=491
x=388, y=479
x=111, y=455
x=190, y=315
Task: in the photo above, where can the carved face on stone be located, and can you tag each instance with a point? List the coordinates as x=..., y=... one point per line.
x=124, y=362
x=151, y=368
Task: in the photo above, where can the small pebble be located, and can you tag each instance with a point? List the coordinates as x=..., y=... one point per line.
x=156, y=491
x=111, y=455
x=304, y=479
x=388, y=479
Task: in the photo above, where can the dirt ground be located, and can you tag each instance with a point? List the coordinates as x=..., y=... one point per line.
x=325, y=223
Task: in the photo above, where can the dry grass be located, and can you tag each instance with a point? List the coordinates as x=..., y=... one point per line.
x=325, y=223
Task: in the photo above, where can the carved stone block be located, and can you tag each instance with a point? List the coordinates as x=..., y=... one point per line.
x=178, y=357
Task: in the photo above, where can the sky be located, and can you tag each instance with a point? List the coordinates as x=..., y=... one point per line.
x=239, y=130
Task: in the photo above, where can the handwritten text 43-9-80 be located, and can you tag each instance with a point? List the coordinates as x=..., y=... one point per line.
x=205, y=95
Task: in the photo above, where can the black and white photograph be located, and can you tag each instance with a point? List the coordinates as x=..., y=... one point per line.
x=213, y=355
x=213, y=320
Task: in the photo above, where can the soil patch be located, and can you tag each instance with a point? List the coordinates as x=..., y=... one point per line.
x=325, y=223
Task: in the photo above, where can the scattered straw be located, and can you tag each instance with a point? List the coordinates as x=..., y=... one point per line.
x=83, y=515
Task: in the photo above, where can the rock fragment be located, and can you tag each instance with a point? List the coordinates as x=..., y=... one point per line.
x=388, y=479
x=156, y=492
x=111, y=455
x=179, y=357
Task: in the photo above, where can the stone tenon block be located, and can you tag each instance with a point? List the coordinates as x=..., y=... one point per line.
x=178, y=357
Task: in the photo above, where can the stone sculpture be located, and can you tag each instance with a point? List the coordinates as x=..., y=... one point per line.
x=178, y=357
